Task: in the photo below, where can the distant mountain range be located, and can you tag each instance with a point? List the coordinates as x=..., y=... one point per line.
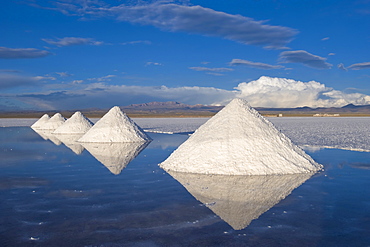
x=348, y=109
x=177, y=109
x=171, y=108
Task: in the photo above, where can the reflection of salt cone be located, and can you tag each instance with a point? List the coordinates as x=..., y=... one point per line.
x=52, y=138
x=40, y=133
x=70, y=141
x=47, y=135
x=115, y=156
x=239, y=199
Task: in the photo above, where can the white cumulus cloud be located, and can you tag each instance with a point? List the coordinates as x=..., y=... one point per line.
x=287, y=93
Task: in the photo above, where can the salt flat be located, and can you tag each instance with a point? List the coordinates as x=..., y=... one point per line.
x=352, y=133
x=53, y=193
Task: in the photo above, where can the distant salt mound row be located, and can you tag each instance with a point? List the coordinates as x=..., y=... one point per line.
x=239, y=199
x=115, y=126
x=76, y=124
x=239, y=141
x=54, y=122
x=39, y=123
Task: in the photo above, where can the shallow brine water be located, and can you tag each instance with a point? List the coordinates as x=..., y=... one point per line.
x=56, y=193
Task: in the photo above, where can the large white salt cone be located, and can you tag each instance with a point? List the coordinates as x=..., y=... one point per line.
x=76, y=124
x=115, y=126
x=54, y=122
x=40, y=122
x=239, y=141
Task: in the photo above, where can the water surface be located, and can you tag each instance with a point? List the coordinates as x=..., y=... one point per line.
x=53, y=195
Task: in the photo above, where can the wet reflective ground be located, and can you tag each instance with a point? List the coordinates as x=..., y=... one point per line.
x=54, y=193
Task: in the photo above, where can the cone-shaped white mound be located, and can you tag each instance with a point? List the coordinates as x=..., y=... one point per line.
x=76, y=124
x=54, y=122
x=239, y=199
x=39, y=123
x=239, y=141
x=115, y=156
x=115, y=126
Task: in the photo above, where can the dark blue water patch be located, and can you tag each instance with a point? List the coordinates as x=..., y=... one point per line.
x=51, y=196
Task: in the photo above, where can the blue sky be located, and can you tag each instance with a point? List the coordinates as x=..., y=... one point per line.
x=88, y=53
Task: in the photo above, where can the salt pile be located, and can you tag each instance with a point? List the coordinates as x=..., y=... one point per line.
x=115, y=156
x=76, y=124
x=115, y=126
x=239, y=141
x=54, y=122
x=39, y=123
x=239, y=199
